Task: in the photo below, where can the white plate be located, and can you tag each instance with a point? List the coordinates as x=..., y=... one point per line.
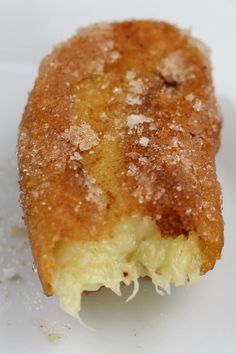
x=201, y=319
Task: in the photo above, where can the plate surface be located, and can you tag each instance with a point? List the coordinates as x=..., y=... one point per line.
x=201, y=319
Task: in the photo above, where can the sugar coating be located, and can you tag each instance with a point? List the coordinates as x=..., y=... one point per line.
x=136, y=88
x=135, y=119
x=122, y=120
x=173, y=67
x=144, y=141
x=76, y=156
x=82, y=136
x=94, y=193
x=198, y=106
x=133, y=100
x=190, y=97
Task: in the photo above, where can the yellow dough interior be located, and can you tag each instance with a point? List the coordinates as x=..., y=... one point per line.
x=136, y=249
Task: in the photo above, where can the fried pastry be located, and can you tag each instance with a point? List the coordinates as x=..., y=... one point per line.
x=116, y=153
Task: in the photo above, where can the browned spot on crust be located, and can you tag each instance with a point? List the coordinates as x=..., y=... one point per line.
x=122, y=120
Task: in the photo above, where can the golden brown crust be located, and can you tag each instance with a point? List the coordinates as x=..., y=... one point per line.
x=122, y=120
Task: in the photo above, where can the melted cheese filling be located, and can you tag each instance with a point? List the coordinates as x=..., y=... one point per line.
x=135, y=250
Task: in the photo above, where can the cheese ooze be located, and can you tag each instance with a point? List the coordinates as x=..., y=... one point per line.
x=136, y=249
